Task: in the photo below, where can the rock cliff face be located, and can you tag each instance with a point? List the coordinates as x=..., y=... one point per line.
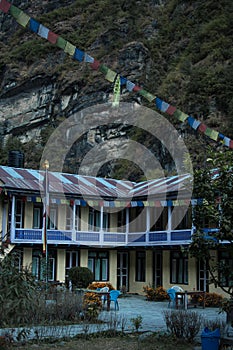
x=41, y=86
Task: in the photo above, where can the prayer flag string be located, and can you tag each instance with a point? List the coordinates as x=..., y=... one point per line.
x=24, y=20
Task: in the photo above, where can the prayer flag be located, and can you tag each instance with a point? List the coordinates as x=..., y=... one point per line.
x=147, y=95
x=158, y=103
x=231, y=144
x=78, y=55
x=34, y=25
x=202, y=127
x=95, y=65
x=61, y=42
x=164, y=106
x=23, y=19
x=214, y=135
x=88, y=58
x=117, y=92
x=15, y=11
x=180, y=115
x=69, y=48
x=52, y=37
x=111, y=75
x=226, y=141
x=123, y=80
x=171, y=110
x=43, y=31
x=137, y=88
x=221, y=136
x=129, y=85
x=5, y=6
x=103, y=69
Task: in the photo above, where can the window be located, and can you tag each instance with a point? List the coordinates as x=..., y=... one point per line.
x=225, y=268
x=182, y=218
x=121, y=220
x=94, y=220
x=52, y=219
x=72, y=260
x=37, y=217
x=179, y=268
x=19, y=214
x=158, y=219
x=39, y=266
x=98, y=263
x=140, y=266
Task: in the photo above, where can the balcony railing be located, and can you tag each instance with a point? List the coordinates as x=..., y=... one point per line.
x=92, y=238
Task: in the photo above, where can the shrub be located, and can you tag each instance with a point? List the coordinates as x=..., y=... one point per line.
x=155, y=294
x=95, y=285
x=183, y=324
x=211, y=299
x=80, y=277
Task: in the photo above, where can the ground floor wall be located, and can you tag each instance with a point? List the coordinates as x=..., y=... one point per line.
x=132, y=269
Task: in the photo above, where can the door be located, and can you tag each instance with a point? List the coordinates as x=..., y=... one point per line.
x=158, y=269
x=122, y=271
x=202, y=276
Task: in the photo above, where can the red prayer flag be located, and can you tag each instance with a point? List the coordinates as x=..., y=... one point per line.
x=171, y=110
x=202, y=127
x=95, y=65
x=231, y=144
x=5, y=6
x=137, y=88
x=52, y=37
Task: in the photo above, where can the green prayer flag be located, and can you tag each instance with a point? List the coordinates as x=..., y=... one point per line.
x=103, y=69
x=61, y=42
x=15, y=11
x=147, y=95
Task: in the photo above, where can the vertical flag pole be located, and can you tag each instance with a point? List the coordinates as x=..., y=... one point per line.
x=45, y=219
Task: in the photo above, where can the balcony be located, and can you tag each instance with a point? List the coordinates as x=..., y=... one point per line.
x=107, y=239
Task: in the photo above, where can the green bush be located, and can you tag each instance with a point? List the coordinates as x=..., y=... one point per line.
x=80, y=277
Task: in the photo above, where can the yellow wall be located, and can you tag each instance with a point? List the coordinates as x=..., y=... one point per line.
x=84, y=257
x=113, y=268
x=137, y=287
x=61, y=267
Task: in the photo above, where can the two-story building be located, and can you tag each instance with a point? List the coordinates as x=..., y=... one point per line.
x=113, y=227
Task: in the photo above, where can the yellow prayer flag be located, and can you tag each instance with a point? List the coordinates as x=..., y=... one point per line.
x=23, y=19
x=69, y=48
x=111, y=75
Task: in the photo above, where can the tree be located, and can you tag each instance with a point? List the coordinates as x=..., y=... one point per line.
x=214, y=186
x=19, y=290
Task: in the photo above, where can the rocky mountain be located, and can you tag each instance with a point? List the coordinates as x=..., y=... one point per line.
x=178, y=50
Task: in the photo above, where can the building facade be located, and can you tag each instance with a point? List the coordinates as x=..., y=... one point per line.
x=129, y=234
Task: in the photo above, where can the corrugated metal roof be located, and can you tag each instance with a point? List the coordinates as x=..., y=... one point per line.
x=28, y=180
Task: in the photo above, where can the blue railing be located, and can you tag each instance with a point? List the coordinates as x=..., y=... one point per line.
x=102, y=238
